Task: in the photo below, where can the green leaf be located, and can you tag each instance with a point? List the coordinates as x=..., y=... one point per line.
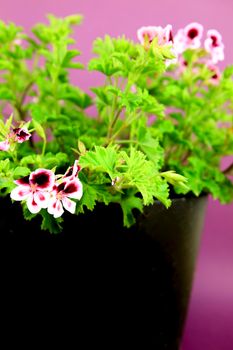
x=101, y=159
x=6, y=94
x=150, y=146
x=88, y=199
x=49, y=223
x=27, y=214
x=128, y=204
x=228, y=72
x=141, y=174
x=20, y=171
x=39, y=129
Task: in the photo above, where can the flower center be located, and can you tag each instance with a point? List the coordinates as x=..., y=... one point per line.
x=33, y=187
x=171, y=37
x=192, y=33
x=59, y=196
x=214, y=40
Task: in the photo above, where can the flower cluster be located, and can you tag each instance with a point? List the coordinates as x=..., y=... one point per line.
x=188, y=37
x=163, y=35
x=42, y=189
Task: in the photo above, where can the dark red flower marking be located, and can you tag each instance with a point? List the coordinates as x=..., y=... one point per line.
x=21, y=134
x=192, y=33
x=171, y=36
x=41, y=179
x=23, y=181
x=214, y=41
x=71, y=187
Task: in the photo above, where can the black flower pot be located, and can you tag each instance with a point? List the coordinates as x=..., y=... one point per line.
x=131, y=286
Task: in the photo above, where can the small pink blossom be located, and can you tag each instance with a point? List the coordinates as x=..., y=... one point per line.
x=182, y=65
x=4, y=145
x=215, y=74
x=133, y=89
x=72, y=171
x=61, y=194
x=35, y=99
x=16, y=135
x=147, y=34
x=17, y=41
x=164, y=36
x=188, y=37
x=21, y=134
x=34, y=189
x=214, y=45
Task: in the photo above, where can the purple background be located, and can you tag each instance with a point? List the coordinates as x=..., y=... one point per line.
x=209, y=324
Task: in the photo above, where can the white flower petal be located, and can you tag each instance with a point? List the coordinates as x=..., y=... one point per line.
x=4, y=145
x=42, y=198
x=33, y=207
x=74, y=189
x=52, y=205
x=58, y=209
x=69, y=205
x=20, y=193
x=55, y=208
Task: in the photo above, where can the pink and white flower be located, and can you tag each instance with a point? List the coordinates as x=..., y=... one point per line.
x=215, y=74
x=21, y=134
x=72, y=171
x=61, y=194
x=214, y=45
x=16, y=135
x=182, y=65
x=35, y=189
x=164, y=36
x=4, y=145
x=17, y=41
x=147, y=34
x=188, y=37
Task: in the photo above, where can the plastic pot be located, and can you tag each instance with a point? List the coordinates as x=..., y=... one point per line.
x=131, y=286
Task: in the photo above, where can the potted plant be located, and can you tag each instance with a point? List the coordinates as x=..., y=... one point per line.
x=136, y=177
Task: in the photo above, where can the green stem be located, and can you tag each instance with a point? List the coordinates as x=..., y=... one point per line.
x=25, y=92
x=127, y=141
x=112, y=124
x=124, y=125
x=44, y=147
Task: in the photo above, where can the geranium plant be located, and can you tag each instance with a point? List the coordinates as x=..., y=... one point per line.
x=163, y=120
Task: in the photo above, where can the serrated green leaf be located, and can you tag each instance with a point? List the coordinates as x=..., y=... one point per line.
x=128, y=204
x=101, y=159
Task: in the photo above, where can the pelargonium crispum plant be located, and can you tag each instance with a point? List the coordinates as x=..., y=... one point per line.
x=54, y=157
x=197, y=132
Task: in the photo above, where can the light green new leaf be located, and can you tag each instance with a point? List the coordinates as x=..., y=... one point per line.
x=101, y=159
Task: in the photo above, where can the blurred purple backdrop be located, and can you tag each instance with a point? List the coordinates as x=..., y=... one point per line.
x=210, y=317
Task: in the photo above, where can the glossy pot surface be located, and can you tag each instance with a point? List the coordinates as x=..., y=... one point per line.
x=132, y=286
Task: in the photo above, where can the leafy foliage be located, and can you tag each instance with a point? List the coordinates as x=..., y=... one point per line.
x=197, y=131
x=154, y=130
